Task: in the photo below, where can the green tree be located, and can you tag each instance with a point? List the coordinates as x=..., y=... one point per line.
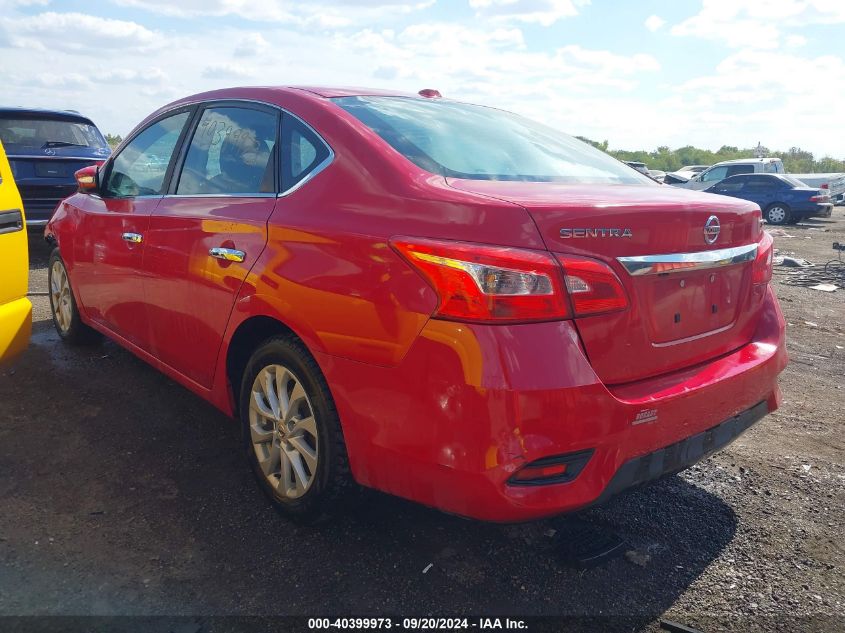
x=114, y=140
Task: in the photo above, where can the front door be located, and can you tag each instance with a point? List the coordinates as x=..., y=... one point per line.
x=109, y=241
x=206, y=234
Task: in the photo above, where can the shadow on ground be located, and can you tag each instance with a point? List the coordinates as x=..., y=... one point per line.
x=123, y=493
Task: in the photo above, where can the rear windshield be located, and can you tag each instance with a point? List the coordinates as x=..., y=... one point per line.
x=793, y=181
x=24, y=132
x=460, y=140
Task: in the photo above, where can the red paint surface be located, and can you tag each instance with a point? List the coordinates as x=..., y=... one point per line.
x=437, y=411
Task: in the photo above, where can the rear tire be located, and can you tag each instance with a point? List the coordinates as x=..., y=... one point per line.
x=778, y=213
x=291, y=431
x=66, y=317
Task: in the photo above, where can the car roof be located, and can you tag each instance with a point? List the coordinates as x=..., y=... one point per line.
x=339, y=91
x=70, y=115
x=747, y=160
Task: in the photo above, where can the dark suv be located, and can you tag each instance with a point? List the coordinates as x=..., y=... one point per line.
x=45, y=148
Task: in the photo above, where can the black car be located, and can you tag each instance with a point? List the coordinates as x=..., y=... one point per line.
x=45, y=148
x=782, y=198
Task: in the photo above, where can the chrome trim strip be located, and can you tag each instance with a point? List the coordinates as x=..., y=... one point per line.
x=685, y=262
x=217, y=195
x=36, y=222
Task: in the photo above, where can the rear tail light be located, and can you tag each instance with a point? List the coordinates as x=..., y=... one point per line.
x=477, y=282
x=593, y=287
x=820, y=198
x=826, y=186
x=762, y=271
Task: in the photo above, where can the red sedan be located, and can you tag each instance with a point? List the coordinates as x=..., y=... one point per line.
x=439, y=300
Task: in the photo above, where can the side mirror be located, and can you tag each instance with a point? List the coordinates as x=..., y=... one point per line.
x=86, y=179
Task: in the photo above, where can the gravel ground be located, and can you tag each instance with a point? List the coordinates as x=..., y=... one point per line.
x=124, y=494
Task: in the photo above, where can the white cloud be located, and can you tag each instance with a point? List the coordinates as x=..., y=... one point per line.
x=753, y=95
x=757, y=24
x=227, y=71
x=795, y=41
x=328, y=14
x=654, y=23
x=250, y=45
x=74, y=32
x=543, y=12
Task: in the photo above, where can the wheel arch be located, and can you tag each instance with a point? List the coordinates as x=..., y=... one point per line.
x=248, y=335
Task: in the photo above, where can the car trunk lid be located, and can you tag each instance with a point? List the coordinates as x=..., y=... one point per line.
x=690, y=297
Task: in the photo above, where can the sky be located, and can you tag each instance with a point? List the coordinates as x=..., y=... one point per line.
x=639, y=74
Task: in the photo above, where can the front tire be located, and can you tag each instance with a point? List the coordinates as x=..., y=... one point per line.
x=66, y=317
x=291, y=430
x=778, y=213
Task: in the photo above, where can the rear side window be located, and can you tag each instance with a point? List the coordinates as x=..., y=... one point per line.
x=302, y=151
x=761, y=182
x=474, y=142
x=733, y=170
x=42, y=132
x=140, y=167
x=231, y=152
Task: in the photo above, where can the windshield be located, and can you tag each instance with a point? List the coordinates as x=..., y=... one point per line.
x=28, y=133
x=460, y=140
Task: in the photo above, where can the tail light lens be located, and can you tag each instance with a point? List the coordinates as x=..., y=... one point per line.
x=762, y=271
x=820, y=198
x=478, y=282
x=593, y=287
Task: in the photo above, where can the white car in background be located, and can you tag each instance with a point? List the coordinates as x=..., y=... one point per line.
x=727, y=168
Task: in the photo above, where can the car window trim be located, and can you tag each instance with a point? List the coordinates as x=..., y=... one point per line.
x=106, y=169
x=316, y=169
x=202, y=106
x=312, y=174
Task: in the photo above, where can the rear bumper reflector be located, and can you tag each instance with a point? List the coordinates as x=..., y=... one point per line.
x=686, y=262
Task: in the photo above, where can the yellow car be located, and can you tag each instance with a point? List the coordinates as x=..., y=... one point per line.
x=15, y=308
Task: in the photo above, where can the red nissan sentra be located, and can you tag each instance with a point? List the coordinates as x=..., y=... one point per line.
x=443, y=301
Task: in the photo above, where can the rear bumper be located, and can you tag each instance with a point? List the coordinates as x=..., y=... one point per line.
x=680, y=455
x=15, y=328
x=817, y=211
x=470, y=405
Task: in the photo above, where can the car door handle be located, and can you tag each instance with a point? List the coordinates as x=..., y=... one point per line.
x=134, y=238
x=227, y=254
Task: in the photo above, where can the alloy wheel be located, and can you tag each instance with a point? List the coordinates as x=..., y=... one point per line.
x=60, y=298
x=283, y=431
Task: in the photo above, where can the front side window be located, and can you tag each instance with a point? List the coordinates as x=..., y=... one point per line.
x=141, y=166
x=460, y=140
x=730, y=186
x=717, y=173
x=231, y=152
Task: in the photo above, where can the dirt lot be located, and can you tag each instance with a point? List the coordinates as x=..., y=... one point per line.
x=123, y=494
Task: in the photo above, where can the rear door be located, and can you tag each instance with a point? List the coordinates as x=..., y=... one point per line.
x=762, y=189
x=208, y=231
x=109, y=241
